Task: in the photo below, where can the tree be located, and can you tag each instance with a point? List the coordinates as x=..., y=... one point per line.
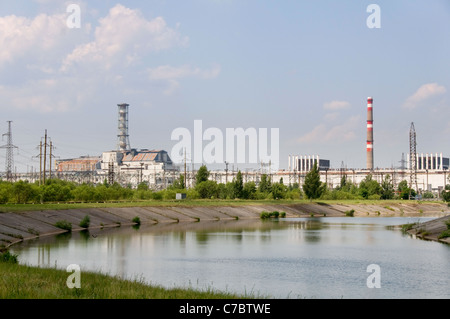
x=249, y=190
x=313, y=187
x=278, y=191
x=178, y=183
x=202, y=175
x=238, y=186
x=369, y=187
x=207, y=189
x=404, y=190
x=387, y=188
x=264, y=185
x=446, y=193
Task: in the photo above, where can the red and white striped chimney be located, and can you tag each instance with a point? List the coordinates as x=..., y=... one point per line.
x=370, y=133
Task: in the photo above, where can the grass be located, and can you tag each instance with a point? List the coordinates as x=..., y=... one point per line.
x=444, y=234
x=136, y=220
x=64, y=224
x=192, y=203
x=26, y=282
x=85, y=222
x=407, y=227
x=274, y=214
x=350, y=213
x=7, y=257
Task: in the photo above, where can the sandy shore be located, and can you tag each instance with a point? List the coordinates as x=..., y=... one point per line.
x=19, y=226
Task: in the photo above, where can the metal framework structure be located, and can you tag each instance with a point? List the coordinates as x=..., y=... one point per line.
x=9, y=163
x=413, y=158
x=123, y=143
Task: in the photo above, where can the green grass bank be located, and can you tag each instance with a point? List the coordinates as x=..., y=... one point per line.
x=25, y=282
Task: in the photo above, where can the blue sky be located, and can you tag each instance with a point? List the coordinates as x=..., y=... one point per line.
x=305, y=67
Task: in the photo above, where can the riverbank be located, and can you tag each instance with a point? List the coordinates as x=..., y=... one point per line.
x=26, y=282
x=431, y=230
x=22, y=224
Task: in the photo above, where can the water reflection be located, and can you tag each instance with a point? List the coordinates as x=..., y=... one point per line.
x=322, y=257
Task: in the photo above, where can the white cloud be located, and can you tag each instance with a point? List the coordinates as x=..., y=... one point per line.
x=122, y=38
x=20, y=36
x=424, y=93
x=336, y=105
x=330, y=117
x=338, y=133
x=58, y=69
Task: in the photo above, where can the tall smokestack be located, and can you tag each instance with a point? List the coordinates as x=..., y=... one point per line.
x=370, y=133
x=123, y=140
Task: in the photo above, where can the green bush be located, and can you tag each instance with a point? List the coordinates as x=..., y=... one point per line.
x=265, y=215
x=85, y=222
x=157, y=195
x=283, y=214
x=407, y=227
x=7, y=257
x=444, y=234
x=274, y=214
x=136, y=220
x=350, y=213
x=169, y=194
x=63, y=224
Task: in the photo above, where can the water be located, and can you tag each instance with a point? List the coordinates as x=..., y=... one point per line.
x=290, y=258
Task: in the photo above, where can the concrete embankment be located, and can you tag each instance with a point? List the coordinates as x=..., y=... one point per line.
x=431, y=230
x=19, y=226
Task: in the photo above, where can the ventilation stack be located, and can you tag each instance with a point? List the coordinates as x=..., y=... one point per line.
x=370, y=133
x=123, y=140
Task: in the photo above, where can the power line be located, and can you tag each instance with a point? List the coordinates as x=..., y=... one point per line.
x=413, y=158
x=9, y=163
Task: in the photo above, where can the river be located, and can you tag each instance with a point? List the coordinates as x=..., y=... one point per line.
x=326, y=257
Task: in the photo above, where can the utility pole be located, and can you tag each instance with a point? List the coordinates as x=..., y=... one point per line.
x=51, y=159
x=185, y=186
x=226, y=172
x=40, y=163
x=45, y=156
x=9, y=164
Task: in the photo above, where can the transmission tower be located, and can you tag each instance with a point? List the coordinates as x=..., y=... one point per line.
x=413, y=158
x=9, y=163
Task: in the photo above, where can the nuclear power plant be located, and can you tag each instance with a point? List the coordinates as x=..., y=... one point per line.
x=130, y=166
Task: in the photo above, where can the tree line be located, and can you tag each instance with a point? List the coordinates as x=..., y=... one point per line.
x=55, y=190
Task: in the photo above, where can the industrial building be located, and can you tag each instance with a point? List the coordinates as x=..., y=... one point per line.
x=430, y=162
x=126, y=165
x=153, y=167
x=82, y=164
x=305, y=163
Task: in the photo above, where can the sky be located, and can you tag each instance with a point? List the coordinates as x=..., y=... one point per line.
x=303, y=67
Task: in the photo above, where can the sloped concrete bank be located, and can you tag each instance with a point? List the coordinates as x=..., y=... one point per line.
x=16, y=227
x=431, y=230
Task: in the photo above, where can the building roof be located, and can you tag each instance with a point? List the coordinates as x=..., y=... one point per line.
x=145, y=156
